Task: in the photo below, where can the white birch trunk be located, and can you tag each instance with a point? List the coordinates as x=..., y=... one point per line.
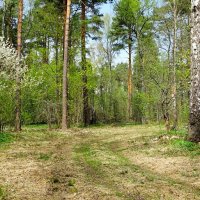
x=194, y=132
x=174, y=87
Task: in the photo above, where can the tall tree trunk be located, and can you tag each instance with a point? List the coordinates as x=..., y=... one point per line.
x=86, y=111
x=194, y=130
x=129, y=78
x=57, y=79
x=3, y=20
x=18, y=81
x=8, y=22
x=65, y=66
x=141, y=116
x=174, y=92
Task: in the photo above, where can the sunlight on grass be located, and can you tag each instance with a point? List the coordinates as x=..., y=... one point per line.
x=85, y=151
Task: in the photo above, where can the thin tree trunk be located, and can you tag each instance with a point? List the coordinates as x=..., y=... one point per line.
x=57, y=91
x=141, y=118
x=3, y=20
x=8, y=24
x=129, y=78
x=174, y=92
x=86, y=111
x=194, y=129
x=65, y=66
x=18, y=81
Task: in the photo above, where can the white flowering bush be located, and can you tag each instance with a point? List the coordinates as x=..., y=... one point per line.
x=10, y=63
x=11, y=67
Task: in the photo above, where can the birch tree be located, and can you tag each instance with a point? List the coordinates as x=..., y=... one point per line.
x=194, y=131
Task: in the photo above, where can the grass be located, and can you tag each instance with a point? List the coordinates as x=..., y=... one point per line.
x=2, y=193
x=171, y=144
x=185, y=145
x=180, y=132
x=85, y=153
x=71, y=182
x=113, y=161
x=45, y=156
x=182, y=147
x=179, y=146
x=116, y=168
x=6, y=138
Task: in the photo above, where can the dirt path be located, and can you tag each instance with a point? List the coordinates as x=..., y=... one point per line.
x=97, y=163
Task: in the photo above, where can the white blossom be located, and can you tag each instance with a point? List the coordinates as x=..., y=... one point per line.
x=10, y=63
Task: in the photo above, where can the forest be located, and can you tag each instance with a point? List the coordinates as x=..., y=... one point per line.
x=99, y=99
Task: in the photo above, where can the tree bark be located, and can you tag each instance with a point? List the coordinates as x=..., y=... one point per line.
x=194, y=129
x=86, y=110
x=65, y=66
x=3, y=19
x=129, y=78
x=57, y=80
x=174, y=92
x=18, y=81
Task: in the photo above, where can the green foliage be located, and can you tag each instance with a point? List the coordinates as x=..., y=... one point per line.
x=143, y=24
x=186, y=145
x=6, y=138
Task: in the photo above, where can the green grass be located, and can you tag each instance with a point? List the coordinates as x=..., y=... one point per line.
x=36, y=126
x=185, y=147
x=181, y=132
x=6, y=138
x=71, y=183
x=2, y=193
x=88, y=154
x=44, y=156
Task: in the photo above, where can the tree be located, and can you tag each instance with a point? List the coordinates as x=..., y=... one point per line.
x=85, y=6
x=131, y=23
x=86, y=110
x=194, y=129
x=65, y=65
x=19, y=47
x=11, y=67
x=123, y=28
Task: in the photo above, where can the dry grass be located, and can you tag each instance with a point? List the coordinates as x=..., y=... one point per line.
x=132, y=162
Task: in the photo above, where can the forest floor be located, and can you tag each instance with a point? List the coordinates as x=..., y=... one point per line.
x=99, y=163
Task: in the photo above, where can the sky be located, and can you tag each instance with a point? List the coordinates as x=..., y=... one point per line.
x=108, y=9
x=122, y=56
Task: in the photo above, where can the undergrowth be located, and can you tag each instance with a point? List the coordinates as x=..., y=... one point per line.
x=6, y=138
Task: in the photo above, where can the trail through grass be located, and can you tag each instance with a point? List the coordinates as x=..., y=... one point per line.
x=129, y=162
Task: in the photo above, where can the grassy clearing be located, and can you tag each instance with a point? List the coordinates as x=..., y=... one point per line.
x=115, y=171
x=171, y=144
x=123, y=162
